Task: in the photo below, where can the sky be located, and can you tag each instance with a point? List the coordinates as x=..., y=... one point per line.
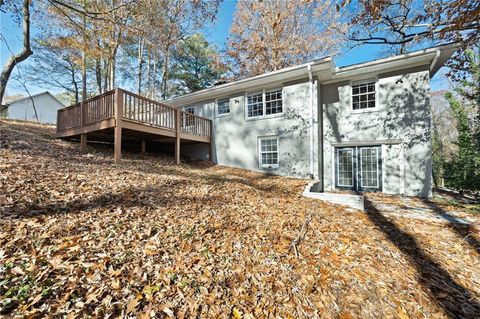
x=216, y=33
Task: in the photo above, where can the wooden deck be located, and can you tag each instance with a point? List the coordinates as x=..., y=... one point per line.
x=119, y=111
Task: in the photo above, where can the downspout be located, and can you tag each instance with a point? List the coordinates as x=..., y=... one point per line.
x=310, y=78
x=435, y=59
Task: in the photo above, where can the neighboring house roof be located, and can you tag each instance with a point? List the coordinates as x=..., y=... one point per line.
x=33, y=96
x=326, y=71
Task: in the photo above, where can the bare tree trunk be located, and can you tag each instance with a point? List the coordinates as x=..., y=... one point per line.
x=98, y=74
x=165, y=73
x=154, y=73
x=23, y=55
x=113, y=63
x=75, y=87
x=149, y=73
x=106, y=71
x=84, y=57
x=140, y=64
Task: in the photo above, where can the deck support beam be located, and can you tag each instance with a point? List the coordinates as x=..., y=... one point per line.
x=118, y=145
x=83, y=143
x=210, y=152
x=177, y=136
x=143, y=147
x=118, y=126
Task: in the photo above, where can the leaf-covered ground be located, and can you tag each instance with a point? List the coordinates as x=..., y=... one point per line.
x=81, y=237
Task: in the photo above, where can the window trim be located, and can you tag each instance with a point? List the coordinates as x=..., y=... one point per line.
x=259, y=152
x=368, y=109
x=229, y=107
x=264, y=104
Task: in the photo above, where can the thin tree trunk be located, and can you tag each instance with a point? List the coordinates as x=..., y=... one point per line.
x=75, y=86
x=106, y=71
x=113, y=64
x=149, y=73
x=84, y=56
x=165, y=73
x=140, y=64
x=22, y=56
x=154, y=72
x=98, y=74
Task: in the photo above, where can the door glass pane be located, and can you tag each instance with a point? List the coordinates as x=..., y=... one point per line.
x=369, y=166
x=345, y=167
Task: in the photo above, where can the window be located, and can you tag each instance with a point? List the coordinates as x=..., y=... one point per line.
x=255, y=105
x=273, y=101
x=188, y=120
x=363, y=95
x=268, y=152
x=223, y=106
x=190, y=109
x=264, y=103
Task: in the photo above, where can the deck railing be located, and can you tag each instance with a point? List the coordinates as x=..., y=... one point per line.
x=134, y=108
x=195, y=124
x=141, y=109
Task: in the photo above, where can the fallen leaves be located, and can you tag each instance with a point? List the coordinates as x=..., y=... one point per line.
x=80, y=236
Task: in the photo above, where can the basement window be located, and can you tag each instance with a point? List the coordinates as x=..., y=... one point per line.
x=264, y=103
x=363, y=95
x=268, y=152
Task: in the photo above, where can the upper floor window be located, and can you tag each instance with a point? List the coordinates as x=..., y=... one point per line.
x=274, y=102
x=265, y=103
x=363, y=95
x=255, y=104
x=223, y=106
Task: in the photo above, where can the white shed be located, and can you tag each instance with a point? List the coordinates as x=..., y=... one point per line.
x=45, y=103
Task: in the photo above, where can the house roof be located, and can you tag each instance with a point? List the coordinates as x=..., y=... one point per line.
x=33, y=96
x=326, y=71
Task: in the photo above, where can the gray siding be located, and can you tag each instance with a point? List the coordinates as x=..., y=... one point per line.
x=236, y=137
x=402, y=118
x=400, y=123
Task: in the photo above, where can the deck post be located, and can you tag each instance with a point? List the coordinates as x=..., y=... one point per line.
x=118, y=125
x=178, y=114
x=83, y=142
x=210, y=145
x=143, y=146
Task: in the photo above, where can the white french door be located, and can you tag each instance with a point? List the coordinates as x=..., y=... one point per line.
x=358, y=168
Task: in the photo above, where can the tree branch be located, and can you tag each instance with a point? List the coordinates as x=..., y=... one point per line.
x=23, y=55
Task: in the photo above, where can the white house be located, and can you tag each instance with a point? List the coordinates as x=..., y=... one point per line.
x=45, y=103
x=364, y=127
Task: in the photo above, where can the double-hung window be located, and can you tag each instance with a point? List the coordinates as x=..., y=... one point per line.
x=255, y=104
x=223, y=107
x=264, y=103
x=363, y=95
x=268, y=152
